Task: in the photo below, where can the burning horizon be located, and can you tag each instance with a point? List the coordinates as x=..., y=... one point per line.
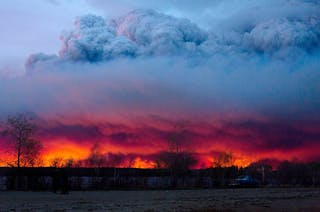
x=126, y=146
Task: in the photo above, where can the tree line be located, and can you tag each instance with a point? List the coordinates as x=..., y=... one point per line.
x=24, y=150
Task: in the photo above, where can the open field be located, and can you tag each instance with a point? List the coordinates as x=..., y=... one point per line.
x=259, y=199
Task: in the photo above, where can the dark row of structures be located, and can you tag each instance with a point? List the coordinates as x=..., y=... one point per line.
x=129, y=178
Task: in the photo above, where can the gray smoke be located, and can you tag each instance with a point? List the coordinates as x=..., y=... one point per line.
x=139, y=33
x=146, y=33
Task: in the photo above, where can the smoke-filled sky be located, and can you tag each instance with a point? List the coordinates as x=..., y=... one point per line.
x=240, y=76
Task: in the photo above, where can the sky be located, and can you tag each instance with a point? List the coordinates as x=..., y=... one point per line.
x=235, y=76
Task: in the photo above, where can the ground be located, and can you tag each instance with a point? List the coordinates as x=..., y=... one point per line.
x=255, y=199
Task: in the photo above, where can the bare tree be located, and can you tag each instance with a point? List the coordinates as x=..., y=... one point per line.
x=96, y=158
x=224, y=159
x=177, y=158
x=176, y=161
x=25, y=149
x=178, y=138
x=57, y=162
x=69, y=163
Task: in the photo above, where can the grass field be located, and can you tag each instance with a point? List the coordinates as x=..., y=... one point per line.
x=258, y=199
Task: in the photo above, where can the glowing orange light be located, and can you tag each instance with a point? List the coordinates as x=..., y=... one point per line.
x=66, y=151
x=145, y=164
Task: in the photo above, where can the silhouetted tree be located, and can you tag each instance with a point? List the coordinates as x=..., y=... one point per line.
x=176, y=158
x=57, y=162
x=20, y=130
x=222, y=162
x=224, y=159
x=298, y=173
x=69, y=163
x=175, y=161
x=96, y=158
x=114, y=159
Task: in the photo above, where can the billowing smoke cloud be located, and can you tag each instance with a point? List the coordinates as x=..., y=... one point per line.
x=250, y=85
x=142, y=33
x=139, y=33
x=277, y=34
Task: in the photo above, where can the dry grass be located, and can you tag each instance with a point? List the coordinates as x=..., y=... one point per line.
x=275, y=199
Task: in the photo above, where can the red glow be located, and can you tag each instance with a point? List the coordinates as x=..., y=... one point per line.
x=137, y=144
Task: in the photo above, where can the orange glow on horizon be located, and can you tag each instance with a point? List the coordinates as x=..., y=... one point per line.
x=66, y=151
x=238, y=162
x=136, y=157
x=145, y=164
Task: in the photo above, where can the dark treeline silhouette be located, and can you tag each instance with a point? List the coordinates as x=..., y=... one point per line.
x=172, y=167
x=287, y=174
